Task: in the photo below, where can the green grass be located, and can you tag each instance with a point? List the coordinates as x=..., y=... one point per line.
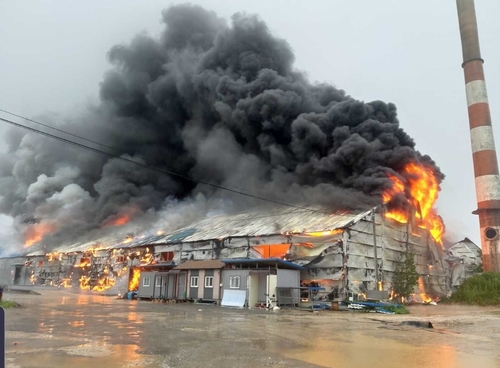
x=8, y=304
x=398, y=309
x=481, y=289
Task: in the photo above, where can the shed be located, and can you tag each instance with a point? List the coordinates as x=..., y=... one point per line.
x=199, y=280
x=266, y=281
x=152, y=282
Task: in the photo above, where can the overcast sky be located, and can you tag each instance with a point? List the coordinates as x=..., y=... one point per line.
x=53, y=56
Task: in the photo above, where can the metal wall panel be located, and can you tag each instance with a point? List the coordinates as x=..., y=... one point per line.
x=193, y=291
x=288, y=278
x=227, y=273
x=208, y=292
x=146, y=291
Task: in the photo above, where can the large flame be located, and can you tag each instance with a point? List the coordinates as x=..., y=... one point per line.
x=121, y=218
x=35, y=233
x=421, y=191
x=133, y=283
x=101, y=284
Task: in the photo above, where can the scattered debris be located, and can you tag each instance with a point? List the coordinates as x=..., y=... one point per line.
x=420, y=324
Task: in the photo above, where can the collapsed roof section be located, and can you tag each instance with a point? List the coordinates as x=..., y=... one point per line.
x=336, y=251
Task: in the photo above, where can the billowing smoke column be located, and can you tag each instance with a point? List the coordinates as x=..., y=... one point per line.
x=217, y=103
x=483, y=144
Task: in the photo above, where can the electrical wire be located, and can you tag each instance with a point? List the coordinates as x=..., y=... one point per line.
x=56, y=129
x=118, y=157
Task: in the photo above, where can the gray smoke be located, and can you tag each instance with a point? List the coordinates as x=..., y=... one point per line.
x=216, y=102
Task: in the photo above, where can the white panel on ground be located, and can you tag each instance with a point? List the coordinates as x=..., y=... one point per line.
x=234, y=298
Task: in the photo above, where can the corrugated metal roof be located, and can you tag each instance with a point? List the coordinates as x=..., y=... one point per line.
x=258, y=223
x=465, y=248
x=251, y=223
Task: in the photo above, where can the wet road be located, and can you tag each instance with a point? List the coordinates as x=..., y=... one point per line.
x=62, y=329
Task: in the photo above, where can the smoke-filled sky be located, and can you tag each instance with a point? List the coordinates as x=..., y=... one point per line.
x=283, y=101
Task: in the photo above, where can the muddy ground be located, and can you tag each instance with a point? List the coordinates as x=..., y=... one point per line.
x=61, y=329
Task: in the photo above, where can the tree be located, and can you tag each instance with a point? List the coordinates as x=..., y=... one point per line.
x=405, y=275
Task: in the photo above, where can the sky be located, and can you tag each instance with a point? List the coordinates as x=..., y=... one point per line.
x=53, y=57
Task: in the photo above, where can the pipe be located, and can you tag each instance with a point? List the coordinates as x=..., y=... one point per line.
x=486, y=173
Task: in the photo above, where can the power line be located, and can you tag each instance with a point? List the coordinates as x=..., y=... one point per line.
x=168, y=172
x=56, y=129
x=74, y=135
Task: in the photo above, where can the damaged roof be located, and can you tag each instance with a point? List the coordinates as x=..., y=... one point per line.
x=260, y=223
x=256, y=222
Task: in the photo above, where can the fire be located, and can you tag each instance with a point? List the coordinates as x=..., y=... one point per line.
x=425, y=298
x=398, y=187
x=121, y=218
x=65, y=283
x=325, y=233
x=54, y=256
x=101, y=284
x=84, y=262
x=36, y=232
x=421, y=192
x=135, y=276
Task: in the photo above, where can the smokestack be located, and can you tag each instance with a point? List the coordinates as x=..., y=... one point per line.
x=483, y=144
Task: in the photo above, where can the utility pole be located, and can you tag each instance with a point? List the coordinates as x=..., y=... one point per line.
x=375, y=249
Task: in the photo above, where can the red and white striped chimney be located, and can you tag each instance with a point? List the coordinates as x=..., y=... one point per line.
x=483, y=144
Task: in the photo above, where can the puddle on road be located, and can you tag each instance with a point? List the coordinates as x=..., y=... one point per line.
x=85, y=356
x=364, y=351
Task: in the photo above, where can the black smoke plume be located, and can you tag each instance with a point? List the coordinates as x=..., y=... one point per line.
x=216, y=102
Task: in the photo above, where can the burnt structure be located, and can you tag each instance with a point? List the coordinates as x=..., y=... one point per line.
x=483, y=145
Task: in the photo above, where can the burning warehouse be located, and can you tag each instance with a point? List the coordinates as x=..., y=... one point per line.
x=344, y=252
x=214, y=118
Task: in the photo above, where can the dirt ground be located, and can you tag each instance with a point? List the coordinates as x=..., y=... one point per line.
x=61, y=329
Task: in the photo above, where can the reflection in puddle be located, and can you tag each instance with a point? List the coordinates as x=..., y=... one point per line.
x=77, y=323
x=92, y=355
x=364, y=351
x=133, y=317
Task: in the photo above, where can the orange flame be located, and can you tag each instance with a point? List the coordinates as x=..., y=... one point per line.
x=121, y=218
x=84, y=262
x=36, y=232
x=135, y=276
x=425, y=298
x=54, y=256
x=147, y=258
x=422, y=193
x=101, y=284
x=398, y=187
x=65, y=283
x=325, y=233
